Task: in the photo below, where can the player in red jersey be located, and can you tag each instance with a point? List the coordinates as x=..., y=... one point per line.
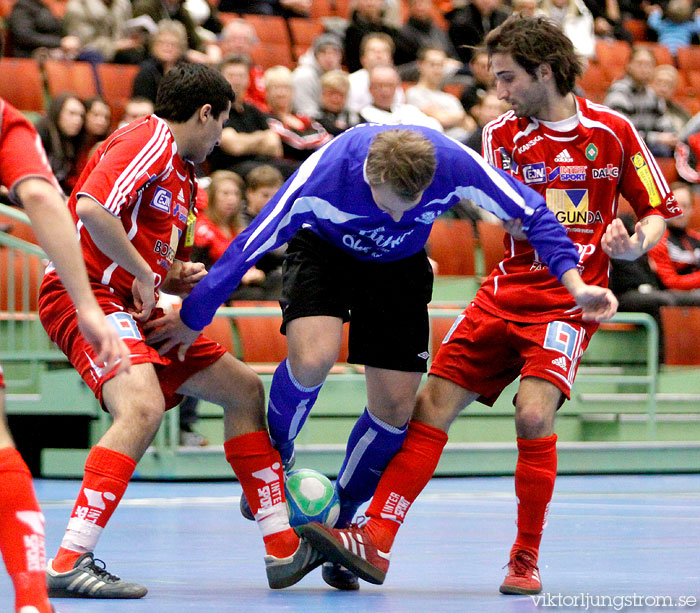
x=134, y=206
x=25, y=171
x=522, y=322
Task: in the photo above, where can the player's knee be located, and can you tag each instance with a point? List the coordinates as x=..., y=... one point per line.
x=533, y=422
x=310, y=366
x=430, y=411
x=142, y=417
x=250, y=392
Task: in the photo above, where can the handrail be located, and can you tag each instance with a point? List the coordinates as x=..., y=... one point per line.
x=15, y=213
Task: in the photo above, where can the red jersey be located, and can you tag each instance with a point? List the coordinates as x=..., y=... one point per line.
x=138, y=176
x=212, y=238
x=21, y=154
x=580, y=165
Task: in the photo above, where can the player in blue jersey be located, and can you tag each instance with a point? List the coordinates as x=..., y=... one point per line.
x=357, y=215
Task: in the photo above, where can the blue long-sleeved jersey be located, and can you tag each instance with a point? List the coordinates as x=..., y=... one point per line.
x=329, y=194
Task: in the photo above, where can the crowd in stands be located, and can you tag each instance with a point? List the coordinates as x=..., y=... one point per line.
x=301, y=78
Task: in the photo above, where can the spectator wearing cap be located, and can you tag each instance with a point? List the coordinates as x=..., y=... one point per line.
x=326, y=54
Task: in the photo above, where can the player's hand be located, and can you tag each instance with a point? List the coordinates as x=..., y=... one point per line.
x=597, y=303
x=253, y=276
x=182, y=278
x=111, y=350
x=144, y=294
x=171, y=331
x=514, y=227
x=619, y=245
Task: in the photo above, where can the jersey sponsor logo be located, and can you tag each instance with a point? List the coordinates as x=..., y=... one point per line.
x=644, y=174
x=531, y=143
x=181, y=196
x=534, y=173
x=561, y=337
x=573, y=173
x=563, y=157
x=125, y=325
x=570, y=207
x=609, y=172
x=506, y=162
x=591, y=152
x=553, y=173
x=671, y=206
x=427, y=218
x=180, y=211
x=162, y=199
x=383, y=242
x=191, y=223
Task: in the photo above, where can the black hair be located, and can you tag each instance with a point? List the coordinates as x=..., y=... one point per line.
x=188, y=87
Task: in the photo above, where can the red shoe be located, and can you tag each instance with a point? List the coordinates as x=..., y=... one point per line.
x=351, y=548
x=523, y=575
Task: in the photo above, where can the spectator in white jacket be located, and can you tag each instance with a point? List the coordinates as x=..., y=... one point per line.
x=576, y=20
x=326, y=54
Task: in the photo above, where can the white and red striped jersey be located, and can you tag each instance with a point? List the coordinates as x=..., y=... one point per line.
x=580, y=165
x=21, y=154
x=138, y=176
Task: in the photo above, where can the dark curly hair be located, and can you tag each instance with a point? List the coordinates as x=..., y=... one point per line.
x=533, y=41
x=187, y=87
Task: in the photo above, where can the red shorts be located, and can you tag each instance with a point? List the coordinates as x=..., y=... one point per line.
x=484, y=353
x=2, y=379
x=57, y=315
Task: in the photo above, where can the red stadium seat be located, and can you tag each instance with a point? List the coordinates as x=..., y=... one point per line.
x=613, y=57
x=24, y=285
x=303, y=32
x=21, y=84
x=681, y=330
x=491, y=242
x=260, y=337
x=595, y=82
x=637, y=28
x=451, y=245
x=116, y=81
x=68, y=76
x=689, y=58
x=661, y=52
x=221, y=331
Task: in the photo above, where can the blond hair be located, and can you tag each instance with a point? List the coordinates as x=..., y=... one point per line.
x=217, y=178
x=277, y=75
x=404, y=159
x=335, y=79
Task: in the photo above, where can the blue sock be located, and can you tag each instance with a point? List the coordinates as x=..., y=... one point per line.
x=289, y=406
x=371, y=446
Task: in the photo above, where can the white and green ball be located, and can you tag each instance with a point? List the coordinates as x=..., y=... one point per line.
x=311, y=497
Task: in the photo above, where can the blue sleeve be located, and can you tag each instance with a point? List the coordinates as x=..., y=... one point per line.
x=654, y=20
x=507, y=198
x=274, y=225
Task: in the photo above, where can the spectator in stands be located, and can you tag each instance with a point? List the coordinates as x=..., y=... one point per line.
x=428, y=96
x=61, y=132
x=32, y=25
x=665, y=84
x=420, y=30
x=284, y=8
x=334, y=115
x=676, y=257
x=325, y=54
x=300, y=135
x=607, y=19
x=469, y=24
x=383, y=81
x=198, y=50
x=375, y=49
x=101, y=28
x=247, y=140
x=239, y=38
x=168, y=48
x=482, y=80
x=488, y=108
x=576, y=20
x=676, y=25
x=633, y=96
x=366, y=18
x=96, y=127
x=136, y=108
x=261, y=184
x=205, y=15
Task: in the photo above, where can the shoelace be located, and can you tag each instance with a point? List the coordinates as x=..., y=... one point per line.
x=521, y=563
x=359, y=523
x=102, y=571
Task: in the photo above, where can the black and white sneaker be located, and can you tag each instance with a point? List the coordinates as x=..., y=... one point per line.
x=339, y=577
x=283, y=572
x=88, y=580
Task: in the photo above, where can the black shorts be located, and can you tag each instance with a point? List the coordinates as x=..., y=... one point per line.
x=386, y=303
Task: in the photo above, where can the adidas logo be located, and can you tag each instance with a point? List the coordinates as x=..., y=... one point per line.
x=560, y=362
x=181, y=196
x=563, y=157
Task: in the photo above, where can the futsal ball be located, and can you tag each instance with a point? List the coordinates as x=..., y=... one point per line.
x=311, y=497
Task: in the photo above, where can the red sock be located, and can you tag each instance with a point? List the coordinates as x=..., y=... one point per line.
x=407, y=474
x=258, y=467
x=534, y=485
x=22, y=532
x=107, y=474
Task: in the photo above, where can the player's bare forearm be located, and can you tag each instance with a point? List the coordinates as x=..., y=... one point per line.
x=619, y=245
x=182, y=278
x=597, y=303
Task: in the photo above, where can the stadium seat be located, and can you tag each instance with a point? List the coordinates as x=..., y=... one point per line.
x=21, y=84
x=681, y=330
x=18, y=229
x=220, y=330
x=668, y=168
x=24, y=286
x=270, y=29
x=637, y=28
x=5, y=8
x=303, y=32
x=595, y=82
x=661, y=52
x=613, y=57
x=689, y=58
x=491, y=242
x=439, y=327
x=341, y=8
x=259, y=336
x=116, y=82
x=694, y=221
x=268, y=55
x=451, y=245
x=70, y=76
